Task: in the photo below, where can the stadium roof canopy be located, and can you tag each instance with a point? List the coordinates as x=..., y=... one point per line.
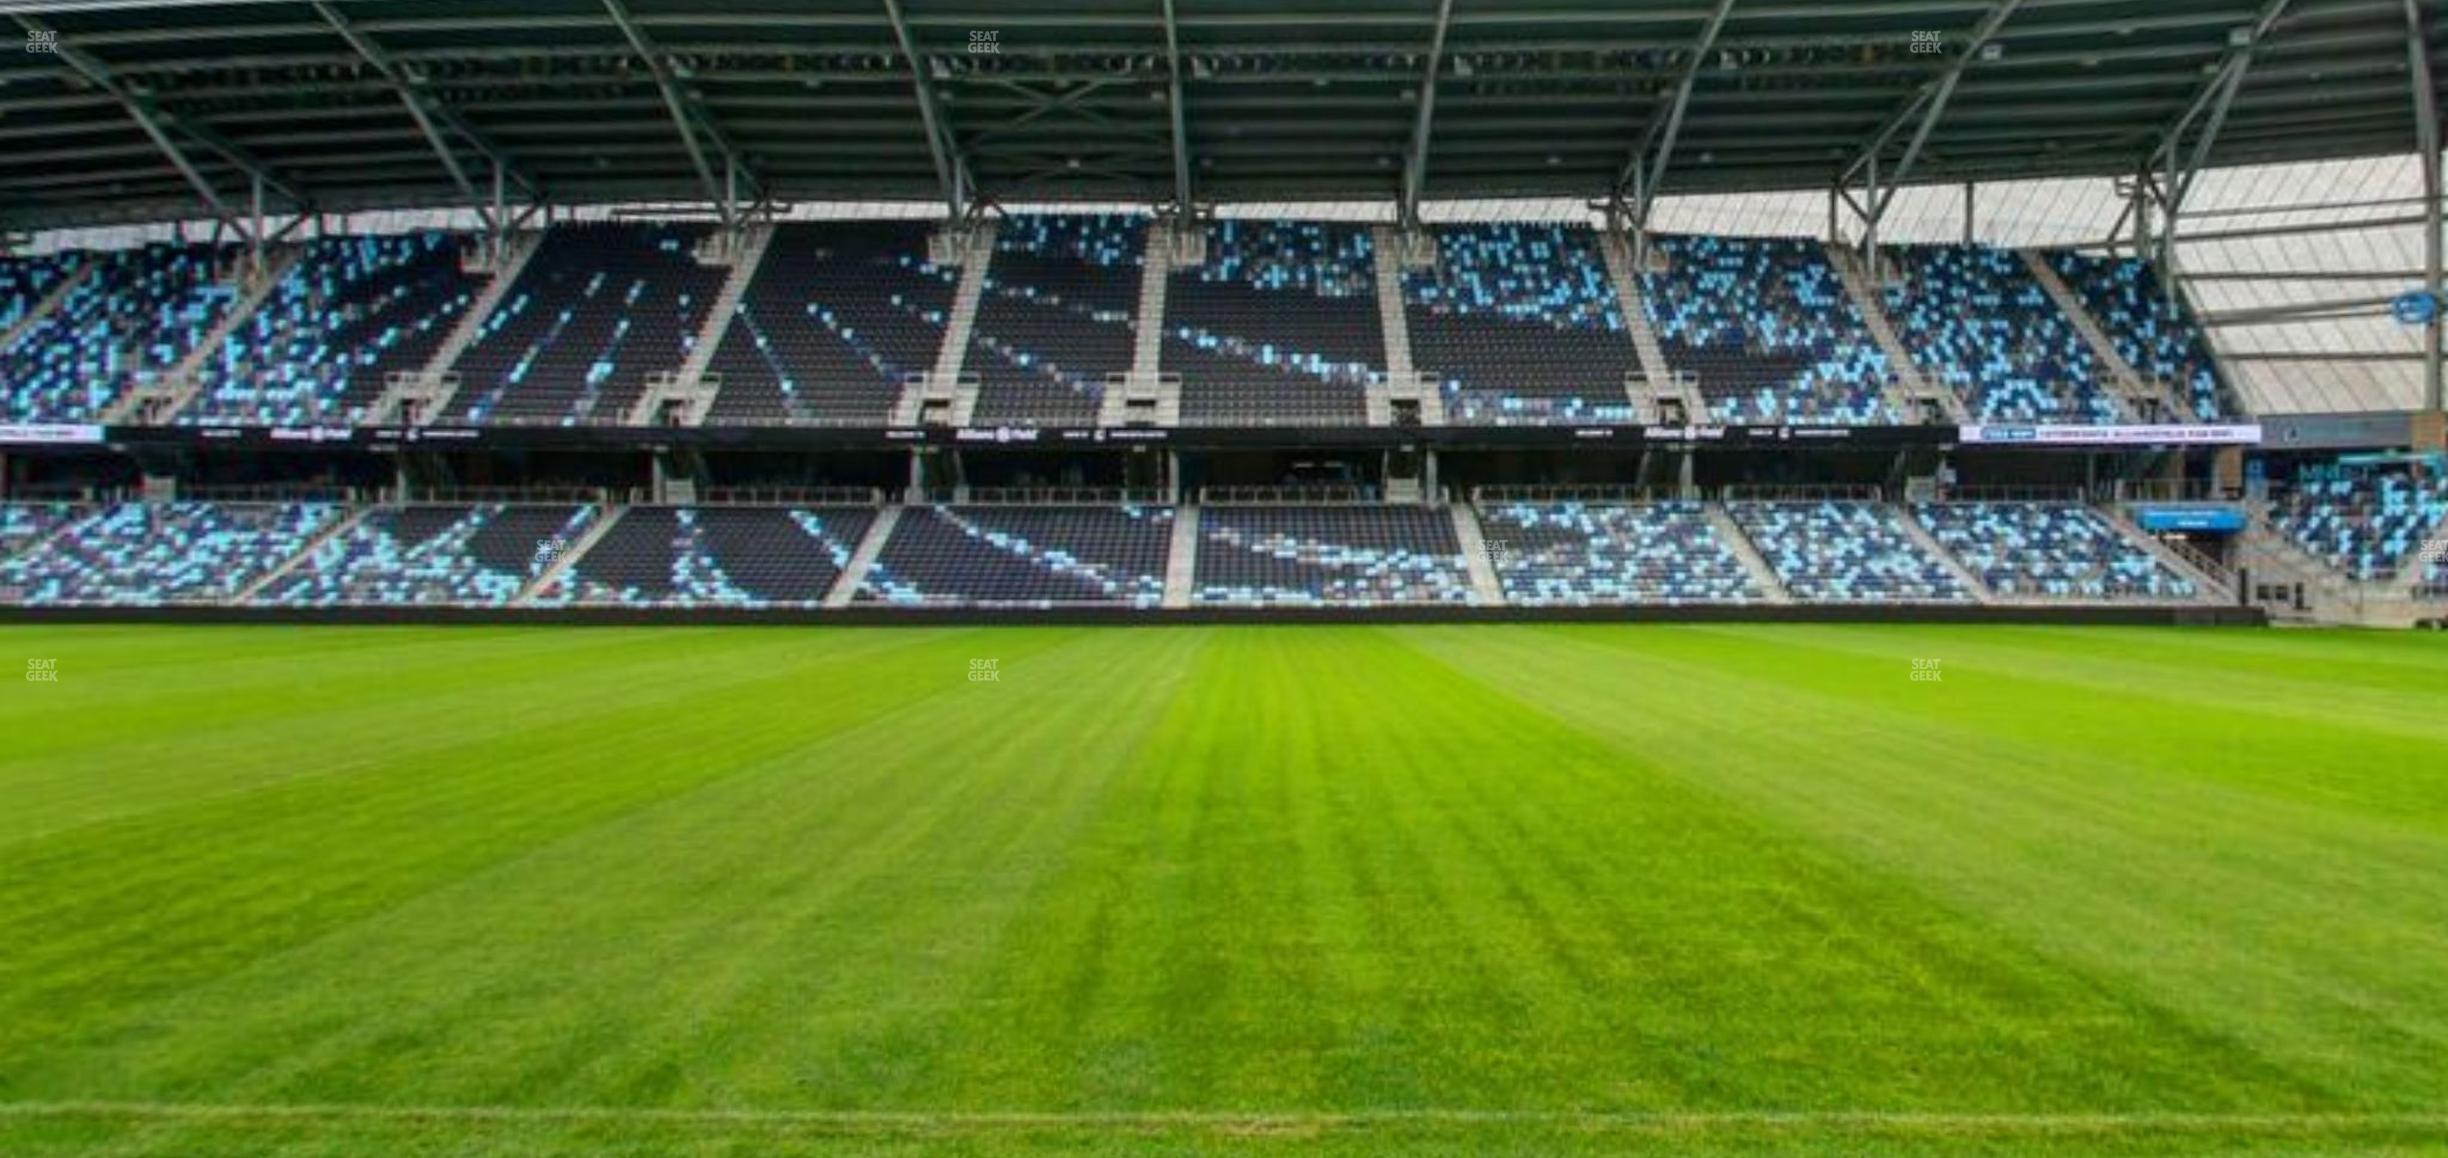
x=124, y=110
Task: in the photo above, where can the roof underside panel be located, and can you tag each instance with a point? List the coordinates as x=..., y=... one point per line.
x=1071, y=99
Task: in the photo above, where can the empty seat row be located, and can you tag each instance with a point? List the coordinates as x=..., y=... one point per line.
x=1057, y=316
x=2154, y=334
x=995, y=556
x=2365, y=521
x=441, y=555
x=2060, y=551
x=597, y=309
x=348, y=313
x=1278, y=326
x=1976, y=320
x=713, y=557
x=835, y=319
x=150, y=554
x=1582, y=555
x=129, y=322
x=1519, y=324
x=1329, y=556
x=1845, y=552
x=1767, y=330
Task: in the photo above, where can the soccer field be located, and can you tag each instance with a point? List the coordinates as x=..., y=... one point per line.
x=1392, y=890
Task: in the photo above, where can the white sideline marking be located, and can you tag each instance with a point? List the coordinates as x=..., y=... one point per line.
x=1664, y=1120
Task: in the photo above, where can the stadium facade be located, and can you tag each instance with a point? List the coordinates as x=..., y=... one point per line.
x=1435, y=309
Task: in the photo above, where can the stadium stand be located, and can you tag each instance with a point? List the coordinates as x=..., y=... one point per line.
x=448, y=554
x=26, y=281
x=713, y=556
x=135, y=317
x=2049, y=551
x=2159, y=339
x=1976, y=319
x=836, y=319
x=1766, y=328
x=1845, y=552
x=1520, y=326
x=1277, y=327
x=1057, y=317
x=1577, y=555
x=1261, y=556
x=1012, y=556
x=599, y=307
x=24, y=525
x=143, y=554
x=2363, y=521
x=351, y=311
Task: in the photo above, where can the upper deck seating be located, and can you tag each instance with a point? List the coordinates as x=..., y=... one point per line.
x=1277, y=327
x=597, y=309
x=838, y=316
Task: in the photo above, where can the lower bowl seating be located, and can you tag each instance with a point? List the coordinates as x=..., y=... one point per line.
x=1572, y=555
x=2050, y=551
x=2365, y=522
x=448, y=555
x=151, y=554
x=1845, y=552
x=713, y=557
x=996, y=556
x=1319, y=556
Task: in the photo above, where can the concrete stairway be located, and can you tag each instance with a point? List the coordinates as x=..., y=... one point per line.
x=754, y=241
x=979, y=256
x=1911, y=387
x=2217, y=583
x=1155, y=276
x=1635, y=314
x=157, y=401
x=339, y=527
x=1488, y=589
x=435, y=386
x=570, y=555
x=1921, y=538
x=854, y=573
x=49, y=303
x=1747, y=552
x=1387, y=245
x=1181, y=563
x=2134, y=395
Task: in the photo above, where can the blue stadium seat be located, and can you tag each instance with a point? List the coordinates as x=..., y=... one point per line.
x=1766, y=328
x=744, y=557
x=1845, y=552
x=2159, y=340
x=837, y=316
x=1576, y=555
x=2363, y=521
x=999, y=556
x=351, y=311
x=1520, y=326
x=2049, y=551
x=1979, y=321
x=1056, y=318
x=1329, y=556
x=449, y=555
x=154, y=554
x=139, y=314
x=1278, y=327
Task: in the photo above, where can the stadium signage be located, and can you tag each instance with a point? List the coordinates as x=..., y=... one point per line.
x=2191, y=435
x=49, y=434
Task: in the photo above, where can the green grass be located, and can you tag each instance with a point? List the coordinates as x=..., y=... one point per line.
x=1466, y=890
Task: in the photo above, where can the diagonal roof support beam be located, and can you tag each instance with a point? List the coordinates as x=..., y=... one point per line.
x=1929, y=105
x=690, y=120
x=156, y=127
x=2427, y=139
x=1173, y=102
x=2217, y=93
x=1672, y=125
x=431, y=117
x=950, y=169
x=1415, y=166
